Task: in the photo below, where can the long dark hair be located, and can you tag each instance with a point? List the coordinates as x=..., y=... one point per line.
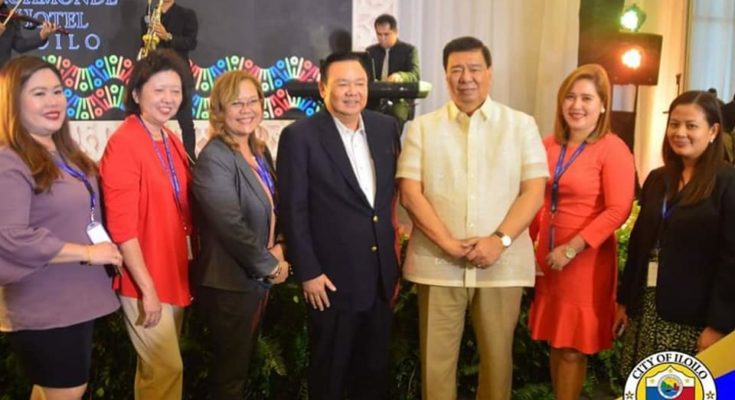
x=13, y=134
x=703, y=178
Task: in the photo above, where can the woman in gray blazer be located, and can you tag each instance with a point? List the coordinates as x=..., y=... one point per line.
x=241, y=256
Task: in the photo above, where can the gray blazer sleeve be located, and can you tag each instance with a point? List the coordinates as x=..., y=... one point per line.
x=219, y=203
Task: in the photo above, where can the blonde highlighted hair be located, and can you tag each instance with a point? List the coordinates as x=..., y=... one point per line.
x=226, y=90
x=597, y=75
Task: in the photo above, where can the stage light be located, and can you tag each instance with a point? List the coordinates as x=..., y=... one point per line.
x=632, y=18
x=632, y=58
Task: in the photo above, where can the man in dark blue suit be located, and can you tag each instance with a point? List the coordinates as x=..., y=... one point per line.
x=336, y=200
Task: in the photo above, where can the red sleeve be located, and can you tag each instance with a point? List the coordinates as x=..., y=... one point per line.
x=535, y=226
x=618, y=183
x=121, y=184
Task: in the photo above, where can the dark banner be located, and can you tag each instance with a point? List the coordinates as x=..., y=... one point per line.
x=276, y=40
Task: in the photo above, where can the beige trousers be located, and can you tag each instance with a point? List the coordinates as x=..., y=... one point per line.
x=494, y=313
x=159, y=374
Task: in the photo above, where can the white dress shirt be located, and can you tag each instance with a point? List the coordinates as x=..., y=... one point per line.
x=358, y=152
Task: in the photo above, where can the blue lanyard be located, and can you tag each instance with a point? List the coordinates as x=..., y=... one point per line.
x=665, y=210
x=560, y=169
x=265, y=175
x=79, y=175
x=170, y=167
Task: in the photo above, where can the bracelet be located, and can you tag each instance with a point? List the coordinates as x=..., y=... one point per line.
x=275, y=273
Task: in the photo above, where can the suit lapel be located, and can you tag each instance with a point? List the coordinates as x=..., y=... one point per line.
x=374, y=144
x=335, y=147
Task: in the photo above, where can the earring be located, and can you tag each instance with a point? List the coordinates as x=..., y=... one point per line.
x=602, y=111
x=712, y=140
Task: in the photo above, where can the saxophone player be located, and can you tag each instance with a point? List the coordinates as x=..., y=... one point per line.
x=177, y=29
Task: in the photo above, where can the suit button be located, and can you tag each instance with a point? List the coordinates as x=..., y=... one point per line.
x=375, y=218
x=374, y=249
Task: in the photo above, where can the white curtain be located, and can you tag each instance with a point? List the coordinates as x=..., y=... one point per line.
x=711, y=50
x=533, y=45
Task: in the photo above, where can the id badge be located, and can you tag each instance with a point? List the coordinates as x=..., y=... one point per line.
x=189, y=252
x=97, y=233
x=652, y=273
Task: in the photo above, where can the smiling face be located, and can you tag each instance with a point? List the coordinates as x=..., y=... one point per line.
x=582, y=107
x=42, y=104
x=345, y=92
x=468, y=79
x=245, y=112
x=688, y=132
x=159, y=99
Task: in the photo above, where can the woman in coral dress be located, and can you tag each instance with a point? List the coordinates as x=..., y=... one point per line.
x=588, y=196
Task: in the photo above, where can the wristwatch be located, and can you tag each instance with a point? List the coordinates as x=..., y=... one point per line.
x=275, y=272
x=569, y=252
x=505, y=240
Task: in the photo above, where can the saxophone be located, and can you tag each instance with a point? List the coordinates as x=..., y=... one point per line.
x=150, y=39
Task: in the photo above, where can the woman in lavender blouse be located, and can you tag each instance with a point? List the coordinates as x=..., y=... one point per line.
x=52, y=281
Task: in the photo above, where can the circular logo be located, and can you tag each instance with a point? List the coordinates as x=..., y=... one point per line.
x=670, y=375
x=670, y=386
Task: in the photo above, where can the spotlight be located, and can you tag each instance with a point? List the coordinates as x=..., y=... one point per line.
x=632, y=18
x=632, y=58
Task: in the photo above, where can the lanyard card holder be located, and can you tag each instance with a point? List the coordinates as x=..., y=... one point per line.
x=97, y=233
x=652, y=273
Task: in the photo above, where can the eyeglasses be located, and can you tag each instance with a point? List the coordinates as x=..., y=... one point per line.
x=252, y=103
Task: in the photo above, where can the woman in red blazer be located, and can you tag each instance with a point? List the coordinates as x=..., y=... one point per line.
x=145, y=180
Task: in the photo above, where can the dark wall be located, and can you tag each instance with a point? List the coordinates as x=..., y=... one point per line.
x=277, y=40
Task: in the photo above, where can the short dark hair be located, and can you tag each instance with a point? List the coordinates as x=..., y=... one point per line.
x=386, y=19
x=144, y=69
x=337, y=57
x=466, y=43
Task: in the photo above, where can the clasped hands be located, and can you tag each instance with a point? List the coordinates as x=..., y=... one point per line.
x=282, y=269
x=556, y=259
x=482, y=252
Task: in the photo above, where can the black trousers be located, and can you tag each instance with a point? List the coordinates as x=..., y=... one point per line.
x=349, y=352
x=233, y=319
